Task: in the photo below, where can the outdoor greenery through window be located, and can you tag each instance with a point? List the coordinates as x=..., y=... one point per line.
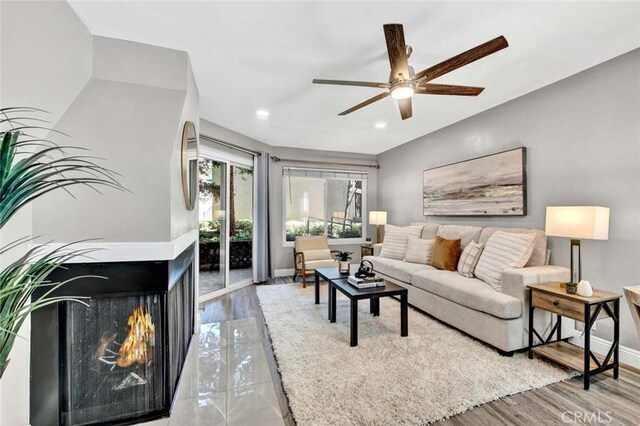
x=326, y=202
x=211, y=204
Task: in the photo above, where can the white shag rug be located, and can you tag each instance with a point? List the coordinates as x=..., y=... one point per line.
x=434, y=373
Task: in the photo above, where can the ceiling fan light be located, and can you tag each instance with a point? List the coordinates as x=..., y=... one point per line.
x=401, y=92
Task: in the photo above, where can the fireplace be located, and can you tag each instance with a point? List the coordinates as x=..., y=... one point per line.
x=117, y=360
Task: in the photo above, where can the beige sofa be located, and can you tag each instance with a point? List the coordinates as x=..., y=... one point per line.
x=499, y=318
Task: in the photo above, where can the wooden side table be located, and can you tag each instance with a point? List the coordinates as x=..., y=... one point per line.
x=552, y=297
x=366, y=250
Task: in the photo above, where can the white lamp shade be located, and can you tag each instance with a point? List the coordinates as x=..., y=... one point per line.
x=378, y=218
x=579, y=222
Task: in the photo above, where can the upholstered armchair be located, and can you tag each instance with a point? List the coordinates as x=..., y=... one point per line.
x=310, y=253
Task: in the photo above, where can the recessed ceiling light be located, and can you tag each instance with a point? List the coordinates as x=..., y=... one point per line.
x=380, y=125
x=262, y=113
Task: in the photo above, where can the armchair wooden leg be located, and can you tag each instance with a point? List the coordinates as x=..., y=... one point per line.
x=304, y=278
x=295, y=274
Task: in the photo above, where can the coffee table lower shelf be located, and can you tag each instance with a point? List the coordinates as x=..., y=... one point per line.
x=566, y=354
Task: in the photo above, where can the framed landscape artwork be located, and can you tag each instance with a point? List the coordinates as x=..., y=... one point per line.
x=494, y=185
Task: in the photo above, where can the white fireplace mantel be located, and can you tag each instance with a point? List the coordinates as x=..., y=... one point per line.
x=129, y=251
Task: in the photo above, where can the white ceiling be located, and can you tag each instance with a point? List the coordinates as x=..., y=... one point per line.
x=252, y=55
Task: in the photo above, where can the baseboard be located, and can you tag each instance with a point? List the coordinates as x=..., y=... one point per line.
x=628, y=356
x=283, y=273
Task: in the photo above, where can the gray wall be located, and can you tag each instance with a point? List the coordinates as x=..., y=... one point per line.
x=222, y=133
x=137, y=128
x=183, y=220
x=582, y=136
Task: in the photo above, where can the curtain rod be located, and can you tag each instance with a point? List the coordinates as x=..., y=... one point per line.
x=228, y=145
x=328, y=163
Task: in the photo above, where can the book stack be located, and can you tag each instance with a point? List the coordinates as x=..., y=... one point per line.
x=368, y=282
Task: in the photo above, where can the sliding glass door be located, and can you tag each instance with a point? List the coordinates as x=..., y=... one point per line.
x=226, y=222
x=240, y=224
x=213, y=225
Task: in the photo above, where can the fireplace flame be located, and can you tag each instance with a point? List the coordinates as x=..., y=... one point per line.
x=136, y=347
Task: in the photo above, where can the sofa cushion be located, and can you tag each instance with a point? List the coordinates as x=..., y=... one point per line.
x=464, y=233
x=418, y=250
x=504, y=250
x=470, y=292
x=320, y=254
x=311, y=242
x=538, y=257
x=314, y=264
x=395, y=241
x=445, y=254
x=429, y=230
x=394, y=268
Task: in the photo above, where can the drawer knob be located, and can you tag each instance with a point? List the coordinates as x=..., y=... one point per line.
x=556, y=303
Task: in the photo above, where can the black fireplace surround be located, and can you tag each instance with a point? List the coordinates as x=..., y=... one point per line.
x=117, y=360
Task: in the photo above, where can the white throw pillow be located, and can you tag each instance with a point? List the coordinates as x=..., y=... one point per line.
x=503, y=250
x=396, y=238
x=418, y=250
x=469, y=259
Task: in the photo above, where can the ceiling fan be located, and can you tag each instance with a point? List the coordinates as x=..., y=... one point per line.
x=404, y=82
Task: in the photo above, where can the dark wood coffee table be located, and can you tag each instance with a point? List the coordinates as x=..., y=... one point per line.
x=326, y=274
x=373, y=294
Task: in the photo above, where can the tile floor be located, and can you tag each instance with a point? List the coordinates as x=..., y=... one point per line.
x=212, y=280
x=226, y=379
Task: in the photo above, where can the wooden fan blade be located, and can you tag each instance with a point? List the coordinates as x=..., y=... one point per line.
x=397, y=50
x=447, y=89
x=405, y=108
x=351, y=83
x=365, y=103
x=462, y=59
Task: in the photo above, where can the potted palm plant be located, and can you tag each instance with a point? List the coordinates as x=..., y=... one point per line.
x=344, y=265
x=30, y=167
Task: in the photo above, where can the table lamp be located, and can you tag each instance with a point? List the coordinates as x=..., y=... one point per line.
x=577, y=222
x=379, y=219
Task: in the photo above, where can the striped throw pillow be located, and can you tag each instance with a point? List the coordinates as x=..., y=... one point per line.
x=419, y=250
x=395, y=241
x=469, y=259
x=503, y=250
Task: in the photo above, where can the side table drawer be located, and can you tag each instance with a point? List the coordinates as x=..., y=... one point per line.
x=559, y=305
x=565, y=307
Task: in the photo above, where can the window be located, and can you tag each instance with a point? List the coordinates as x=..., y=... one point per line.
x=325, y=202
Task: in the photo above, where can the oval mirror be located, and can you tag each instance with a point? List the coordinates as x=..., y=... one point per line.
x=190, y=164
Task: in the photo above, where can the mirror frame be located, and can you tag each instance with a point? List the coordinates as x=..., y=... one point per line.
x=189, y=197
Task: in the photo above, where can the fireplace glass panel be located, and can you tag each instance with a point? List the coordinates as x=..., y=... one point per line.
x=181, y=324
x=113, y=359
